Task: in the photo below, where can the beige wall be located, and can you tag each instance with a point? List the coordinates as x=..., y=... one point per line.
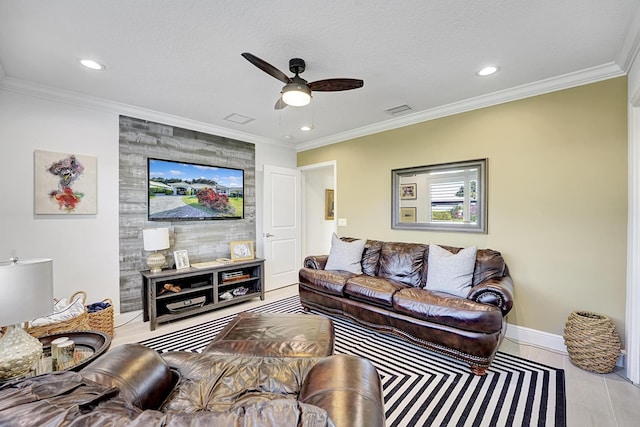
x=557, y=194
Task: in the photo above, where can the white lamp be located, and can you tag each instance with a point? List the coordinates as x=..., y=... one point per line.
x=155, y=239
x=296, y=94
x=27, y=293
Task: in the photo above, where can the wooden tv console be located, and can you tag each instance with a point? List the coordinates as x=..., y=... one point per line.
x=201, y=290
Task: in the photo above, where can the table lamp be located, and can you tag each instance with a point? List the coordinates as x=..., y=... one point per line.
x=26, y=294
x=155, y=239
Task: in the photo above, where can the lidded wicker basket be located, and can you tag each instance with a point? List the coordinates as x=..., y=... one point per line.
x=592, y=341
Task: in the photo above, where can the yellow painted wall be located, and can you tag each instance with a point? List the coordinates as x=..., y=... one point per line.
x=557, y=194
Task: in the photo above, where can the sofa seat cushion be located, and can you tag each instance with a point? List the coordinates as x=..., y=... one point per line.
x=445, y=309
x=372, y=289
x=214, y=382
x=328, y=281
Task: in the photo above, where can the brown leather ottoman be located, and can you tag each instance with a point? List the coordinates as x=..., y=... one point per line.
x=275, y=335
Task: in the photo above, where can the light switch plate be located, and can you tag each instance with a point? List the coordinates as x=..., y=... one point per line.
x=342, y=222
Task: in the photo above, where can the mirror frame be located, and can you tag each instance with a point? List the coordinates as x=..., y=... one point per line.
x=481, y=198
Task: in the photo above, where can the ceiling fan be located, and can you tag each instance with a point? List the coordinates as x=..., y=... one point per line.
x=297, y=91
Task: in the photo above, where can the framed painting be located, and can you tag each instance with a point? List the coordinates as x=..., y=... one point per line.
x=408, y=191
x=329, y=204
x=407, y=214
x=65, y=183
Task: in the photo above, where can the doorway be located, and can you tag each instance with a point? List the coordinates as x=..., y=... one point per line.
x=317, y=227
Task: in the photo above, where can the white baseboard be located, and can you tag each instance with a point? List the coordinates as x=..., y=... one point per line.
x=536, y=338
x=542, y=339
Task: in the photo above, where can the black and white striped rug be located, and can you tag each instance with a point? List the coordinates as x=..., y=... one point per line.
x=422, y=388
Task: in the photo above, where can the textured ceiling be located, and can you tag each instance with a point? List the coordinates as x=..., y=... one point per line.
x=183, y=57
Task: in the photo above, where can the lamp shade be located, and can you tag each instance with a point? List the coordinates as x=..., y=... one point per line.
x=155, y=239
x=27, y=290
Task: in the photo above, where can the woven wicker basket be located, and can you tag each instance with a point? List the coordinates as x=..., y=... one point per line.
x=592, y=341
x=78, y=323
x=103, y=320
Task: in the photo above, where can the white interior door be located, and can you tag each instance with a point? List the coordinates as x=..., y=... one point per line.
x=282, y=228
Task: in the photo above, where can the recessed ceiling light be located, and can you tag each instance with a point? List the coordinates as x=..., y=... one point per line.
x=93, y=65
x=306, y=128
x=487, y=71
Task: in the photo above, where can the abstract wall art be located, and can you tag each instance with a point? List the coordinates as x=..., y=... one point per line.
x=65, y=183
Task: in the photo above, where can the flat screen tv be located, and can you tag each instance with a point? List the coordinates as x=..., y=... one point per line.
x=181, y=191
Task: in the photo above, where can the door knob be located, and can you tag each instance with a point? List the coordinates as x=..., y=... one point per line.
x=268, y=235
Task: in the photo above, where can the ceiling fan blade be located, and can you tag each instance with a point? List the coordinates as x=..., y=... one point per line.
x=266, y=67
x=280, y=104
x=335, y=85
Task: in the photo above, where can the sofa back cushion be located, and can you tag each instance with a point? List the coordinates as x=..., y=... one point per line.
x=403, y=262
x=489, y=265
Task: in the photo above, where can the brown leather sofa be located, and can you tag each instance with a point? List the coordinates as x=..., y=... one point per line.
x=131, y=385
x=390, y=296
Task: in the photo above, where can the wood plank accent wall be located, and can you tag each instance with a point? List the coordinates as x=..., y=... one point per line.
x=204, y=240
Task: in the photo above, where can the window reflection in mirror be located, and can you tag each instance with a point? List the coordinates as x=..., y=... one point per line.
x=445, y=197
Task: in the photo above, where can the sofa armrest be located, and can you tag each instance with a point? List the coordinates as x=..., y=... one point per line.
x=316, y=262
x=498, y=292
x=139, y=373
x=348, y=388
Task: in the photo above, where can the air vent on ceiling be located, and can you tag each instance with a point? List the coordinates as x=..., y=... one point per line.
x=238, y=118
x=400, y=109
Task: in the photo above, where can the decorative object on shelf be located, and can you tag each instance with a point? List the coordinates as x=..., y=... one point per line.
x=27, y=293
x=240, y=291
x=170, y=287
x=186, y=304
x=329, y=204
x=182, y=259
x=65, y=183
x=592, y=341
x=155, y=239
x=241, y=251
x=226, y=296
x=234, y=276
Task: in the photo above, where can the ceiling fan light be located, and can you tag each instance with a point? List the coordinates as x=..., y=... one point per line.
x=296, y=95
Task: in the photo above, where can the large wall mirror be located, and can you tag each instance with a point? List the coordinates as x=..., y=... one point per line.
x=443, y=197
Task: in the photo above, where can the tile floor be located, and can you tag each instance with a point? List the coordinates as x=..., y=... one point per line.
x=593, y=400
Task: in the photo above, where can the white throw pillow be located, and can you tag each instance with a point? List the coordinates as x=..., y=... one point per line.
x=345, y=256
x=450, y=273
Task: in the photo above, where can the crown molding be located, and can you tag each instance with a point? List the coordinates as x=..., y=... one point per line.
x=11, y=84
x=566, y=81
x=630, y=47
